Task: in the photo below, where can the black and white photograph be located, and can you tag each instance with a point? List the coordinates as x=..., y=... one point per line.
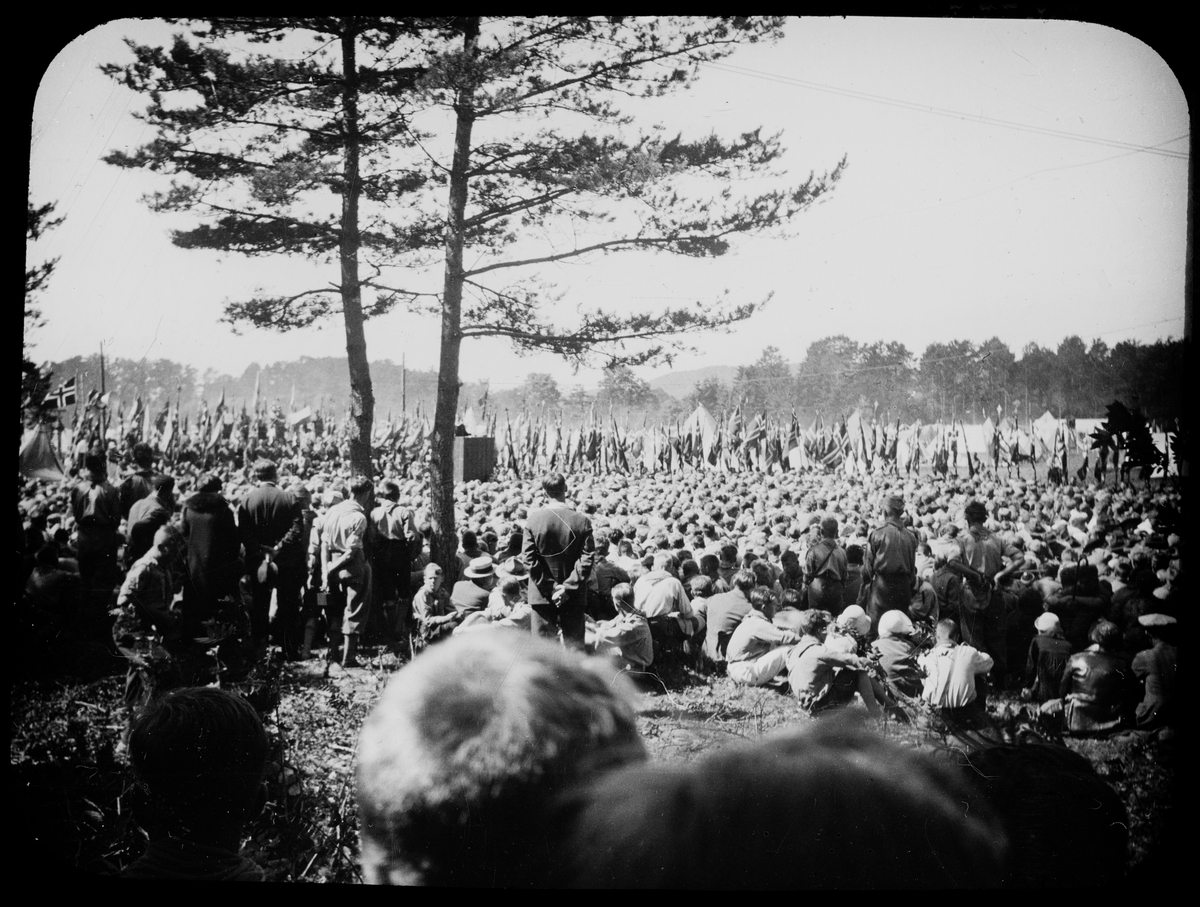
x=691, y=452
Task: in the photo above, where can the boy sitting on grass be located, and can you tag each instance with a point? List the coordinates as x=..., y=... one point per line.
x=200, y=755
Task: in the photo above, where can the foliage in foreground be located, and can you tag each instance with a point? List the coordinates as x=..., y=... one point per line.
x=70, y=781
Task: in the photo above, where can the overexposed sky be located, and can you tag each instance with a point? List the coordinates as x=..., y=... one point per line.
x=1013, y=178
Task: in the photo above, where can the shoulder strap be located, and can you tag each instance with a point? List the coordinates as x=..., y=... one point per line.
x=828, y=555
x=796, y=654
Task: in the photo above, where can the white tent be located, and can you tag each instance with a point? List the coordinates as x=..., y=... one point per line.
x=702, y=422
x=37, y=459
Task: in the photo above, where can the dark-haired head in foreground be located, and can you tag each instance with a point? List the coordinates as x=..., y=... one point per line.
x=1066, y=826
x=834, y=806
x=200, y=754
x=467, y=744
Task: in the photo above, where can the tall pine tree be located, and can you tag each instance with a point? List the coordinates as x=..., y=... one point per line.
x=292, y=151
x=513, y=167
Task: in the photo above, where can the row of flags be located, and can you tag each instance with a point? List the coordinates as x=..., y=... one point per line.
x=854, y=444
x=534, y=442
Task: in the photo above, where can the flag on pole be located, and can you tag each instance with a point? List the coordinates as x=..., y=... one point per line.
x=64, y=396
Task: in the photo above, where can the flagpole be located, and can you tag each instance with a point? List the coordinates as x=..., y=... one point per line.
x=103, y=407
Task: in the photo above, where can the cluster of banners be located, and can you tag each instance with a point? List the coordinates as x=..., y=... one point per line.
x=222, y=430
x=854, y=444
x=534, y=443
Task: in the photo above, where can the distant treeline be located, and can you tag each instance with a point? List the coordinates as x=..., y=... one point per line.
x=966, y=380
x=837, y=375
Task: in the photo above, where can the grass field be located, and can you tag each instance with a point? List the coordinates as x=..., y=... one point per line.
x=72, y=787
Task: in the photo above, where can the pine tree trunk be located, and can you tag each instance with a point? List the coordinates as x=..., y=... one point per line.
x=362, y=397
x=441, y=467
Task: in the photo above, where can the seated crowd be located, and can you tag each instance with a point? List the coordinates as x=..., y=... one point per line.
x=884, y=592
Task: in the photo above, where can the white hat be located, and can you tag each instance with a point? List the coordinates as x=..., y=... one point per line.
x=480, y=568
x=854, y=617
x=1046, y=622
x=895, y=623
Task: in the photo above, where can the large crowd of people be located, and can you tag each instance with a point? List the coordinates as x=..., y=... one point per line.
x=878, y=593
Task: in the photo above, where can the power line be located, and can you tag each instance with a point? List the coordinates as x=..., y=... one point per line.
x=946, y=112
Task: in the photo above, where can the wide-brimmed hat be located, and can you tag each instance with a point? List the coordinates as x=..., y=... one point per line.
x=513, y=567
x=479, y=568
x=1156, y=620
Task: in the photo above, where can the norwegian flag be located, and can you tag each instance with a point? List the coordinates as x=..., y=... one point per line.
x=64, y=396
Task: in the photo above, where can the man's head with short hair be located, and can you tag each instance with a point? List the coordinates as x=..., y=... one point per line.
x=265, y=471
x=467, y=744
x=762, y=600
x=975, y=513
x=96, y=465
x=433, y=573
x=829, y=528
x=391, y=490
x=664, y=560
x=744, y=581
x=602, y=540
x=947, y=631
x=143, y=455
x=168, y=539
x=814, y=622
x=555, y=485
x=763, y=575
x=700, y=586
x=164, y=486
x=361, y=487
x=1106, y=635
x=622, y=596
x=201, y=754
x=469, y=539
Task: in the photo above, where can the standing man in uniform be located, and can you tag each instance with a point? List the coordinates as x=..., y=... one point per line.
x=826, y=569
x=395, y=538
x=890, y=566
x=558, y=550
x=986, y=560
x=96, y=505
x=140, y=484
x=271, y=526
x=346, y=571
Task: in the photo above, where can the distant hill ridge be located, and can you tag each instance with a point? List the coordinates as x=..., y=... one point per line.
x=317, y=381
x=681, y=383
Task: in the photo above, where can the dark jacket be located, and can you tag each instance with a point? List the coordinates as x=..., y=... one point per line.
x=145, y=518
x=558, y=549
x=1077, y=614
x=268, y=517
x=213, y=551
x=725, y=612
x=1095, y=686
